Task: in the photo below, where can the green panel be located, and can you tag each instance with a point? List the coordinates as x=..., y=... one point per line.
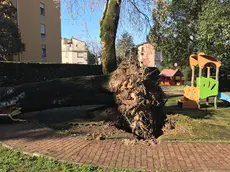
x=208, y=87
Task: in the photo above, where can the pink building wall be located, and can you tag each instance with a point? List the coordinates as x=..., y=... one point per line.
x=148, y=56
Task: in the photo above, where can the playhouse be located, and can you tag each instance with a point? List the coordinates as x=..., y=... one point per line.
x=171, y=77
x=203, y=87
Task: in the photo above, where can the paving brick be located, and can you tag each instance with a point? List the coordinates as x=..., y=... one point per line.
x=98, y=153
x=156, y=160
x=165, y=156
x=162, y=159
x=110, y=152
x=144, y=159
x=115, y=155
x=132, y=157
x=120, y=156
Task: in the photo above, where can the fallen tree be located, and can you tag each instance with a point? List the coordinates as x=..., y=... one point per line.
x=132, y=89
x=56, y=93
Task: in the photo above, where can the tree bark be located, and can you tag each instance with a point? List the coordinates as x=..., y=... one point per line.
x=133, y=90
x=108, y=29
x=88, y=90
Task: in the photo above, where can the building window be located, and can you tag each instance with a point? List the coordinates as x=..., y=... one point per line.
x=43, y=32
x=42, y=9
x=44, y=52
x=80, y=55
x=177, y=78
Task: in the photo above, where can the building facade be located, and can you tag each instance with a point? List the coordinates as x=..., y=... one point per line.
x=40, y=26
x=148, y=56
x=74, y=51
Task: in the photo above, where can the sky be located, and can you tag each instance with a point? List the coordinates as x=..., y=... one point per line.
x=86, y=26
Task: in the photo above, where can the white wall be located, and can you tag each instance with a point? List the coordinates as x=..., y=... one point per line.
x=67, y=57
x=80, y=57
x=74, y=52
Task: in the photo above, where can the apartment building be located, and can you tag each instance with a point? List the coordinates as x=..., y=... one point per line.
x=74, y=51
x=40, y=26
x=148, y=56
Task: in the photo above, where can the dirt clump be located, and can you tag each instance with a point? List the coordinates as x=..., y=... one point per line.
x=139, y=98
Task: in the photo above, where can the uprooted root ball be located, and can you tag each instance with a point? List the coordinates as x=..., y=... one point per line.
x=139, y=98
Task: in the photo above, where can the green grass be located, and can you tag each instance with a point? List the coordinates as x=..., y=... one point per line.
x=207, y=124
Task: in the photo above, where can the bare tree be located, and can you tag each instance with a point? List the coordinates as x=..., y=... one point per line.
x=132, y=12
x=93, y=44
x=95, y=49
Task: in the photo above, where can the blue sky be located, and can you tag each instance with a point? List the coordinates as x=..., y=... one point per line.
x=86, y=27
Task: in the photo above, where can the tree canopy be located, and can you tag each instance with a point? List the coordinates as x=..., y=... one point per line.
x=124, y=44
x=10, y=38
x=91, y=58
x=183, y=27
x=174, y=29
x=214, y=31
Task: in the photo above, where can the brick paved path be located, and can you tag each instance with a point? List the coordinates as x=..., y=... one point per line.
x=164, y=156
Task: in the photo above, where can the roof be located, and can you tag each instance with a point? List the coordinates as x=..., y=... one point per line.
x=202, y=59
x=142, y=44
x=78, y=39
x=70, y=39
x=168, y=72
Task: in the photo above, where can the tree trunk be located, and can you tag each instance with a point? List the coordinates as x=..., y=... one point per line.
x=88, y=90
x=133, y=90
x=108, y=28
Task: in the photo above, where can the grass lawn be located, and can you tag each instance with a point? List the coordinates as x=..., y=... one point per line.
x=173, y=88
x=207, y=124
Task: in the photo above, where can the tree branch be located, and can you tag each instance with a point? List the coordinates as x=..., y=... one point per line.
x=145, y=16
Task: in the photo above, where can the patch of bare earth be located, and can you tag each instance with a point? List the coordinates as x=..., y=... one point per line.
x=176, y=130
x=85, y=123
x=101, y=126
x=170, y=93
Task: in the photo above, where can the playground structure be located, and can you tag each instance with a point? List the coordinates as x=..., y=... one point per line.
x=206, y=87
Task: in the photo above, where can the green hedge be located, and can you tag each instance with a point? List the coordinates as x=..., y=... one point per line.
x=12, y=73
